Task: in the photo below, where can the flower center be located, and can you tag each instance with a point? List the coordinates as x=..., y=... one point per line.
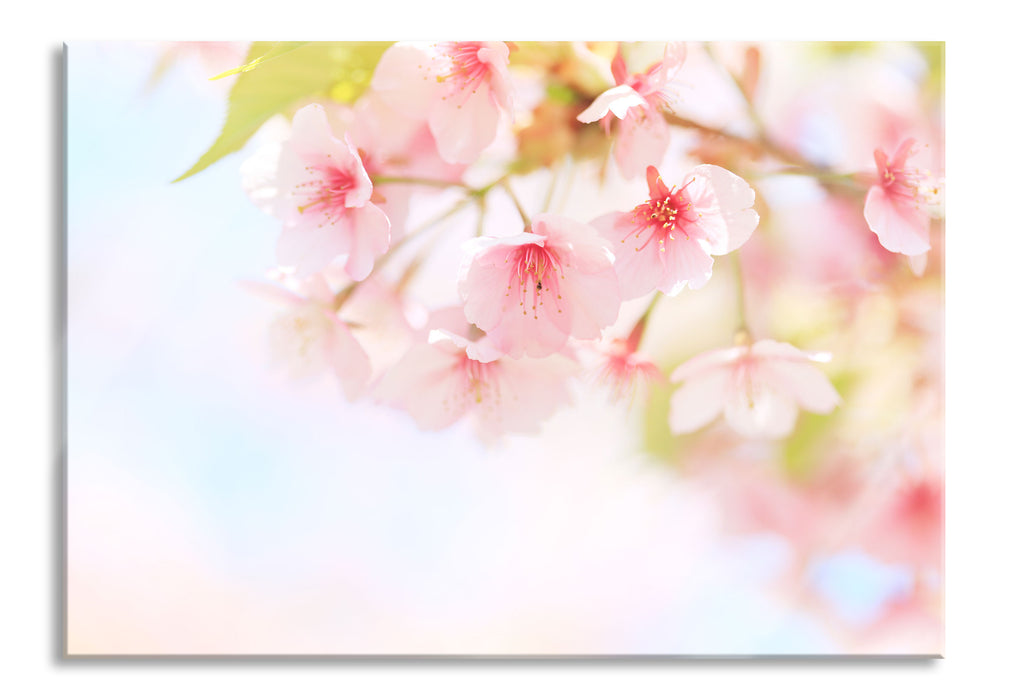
x=478, y=379
x=660, y=216
x=325, y=191
x=909, y=184
x=901, y=182
x=476, y=384
x=536, y=272
x=296, y=334
x=465, y=67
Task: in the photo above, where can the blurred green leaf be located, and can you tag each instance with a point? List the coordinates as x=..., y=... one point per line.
x=803, y=451
x=278, y=49
x=561, y=93
x=337, y=71
x=934, y=53
x=658, y=440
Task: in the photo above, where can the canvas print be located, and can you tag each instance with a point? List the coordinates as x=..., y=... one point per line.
x=493, y=348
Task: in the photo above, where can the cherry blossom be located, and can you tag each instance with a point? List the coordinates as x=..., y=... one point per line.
x=897, y=206
x=391, y=146
x=623, y=370
x=758, y=387
x=462, y=89
x=309, y=338
x=533, y=291
x=638, y=101
x=667, y=242
x=623, y=367
x=458, y=372
x=904, y=524
x=322, y=193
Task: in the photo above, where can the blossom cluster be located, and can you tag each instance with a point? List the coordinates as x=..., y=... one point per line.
x=807, y=225
x=343, y=181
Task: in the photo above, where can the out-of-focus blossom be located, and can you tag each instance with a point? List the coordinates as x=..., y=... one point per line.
x=815, y=513
x=459, y=372
x=667, y=242
x=905, y=524
x=638, y=101
x=834, y=112
x=897, y=206
x=309, y=338
x=462, y=88
x=902, y=514
x=758, y=387
x=322, y=194
x=533, y=291
x=624, y=369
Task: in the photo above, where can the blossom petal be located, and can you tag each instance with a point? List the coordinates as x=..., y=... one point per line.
x=593, y=300
x=918, y=263
x=310, y=243
x=724, y=202
x=494, y=54
x=481, y=350
x=481, y=289
x=259, y=171
x=707, y=361
x=588, y=250
x=773, y=350
x=762, y=412
x=310, y=130
x=901, y=226
x=660, y=76
x=642, y=140
x=424, y=383
x=534, y=332
x=616, y=100
x=528, y=392
x=369, y=240
x=465, y=123
x=404, y=78
x=806, y=383
x=638, y=271
x=685, y=261
x=348, y=360
x=699, y=401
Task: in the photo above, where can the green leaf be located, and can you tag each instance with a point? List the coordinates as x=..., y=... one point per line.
x=278, y=49
x=286, y=76
x=561, y=93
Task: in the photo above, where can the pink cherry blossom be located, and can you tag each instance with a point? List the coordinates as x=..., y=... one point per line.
x=812, y=513
x=623, y=368
x=462, y=89
x=905, y=522
x=897, y=206
x=322, y=194
x=309, y=338
x=667, y=242
x=638, y=101
x=758, y=387
x=460, y=373
x=533, y=291
x=393, y=146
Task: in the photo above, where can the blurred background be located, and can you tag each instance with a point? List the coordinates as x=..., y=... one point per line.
x=215, y=506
